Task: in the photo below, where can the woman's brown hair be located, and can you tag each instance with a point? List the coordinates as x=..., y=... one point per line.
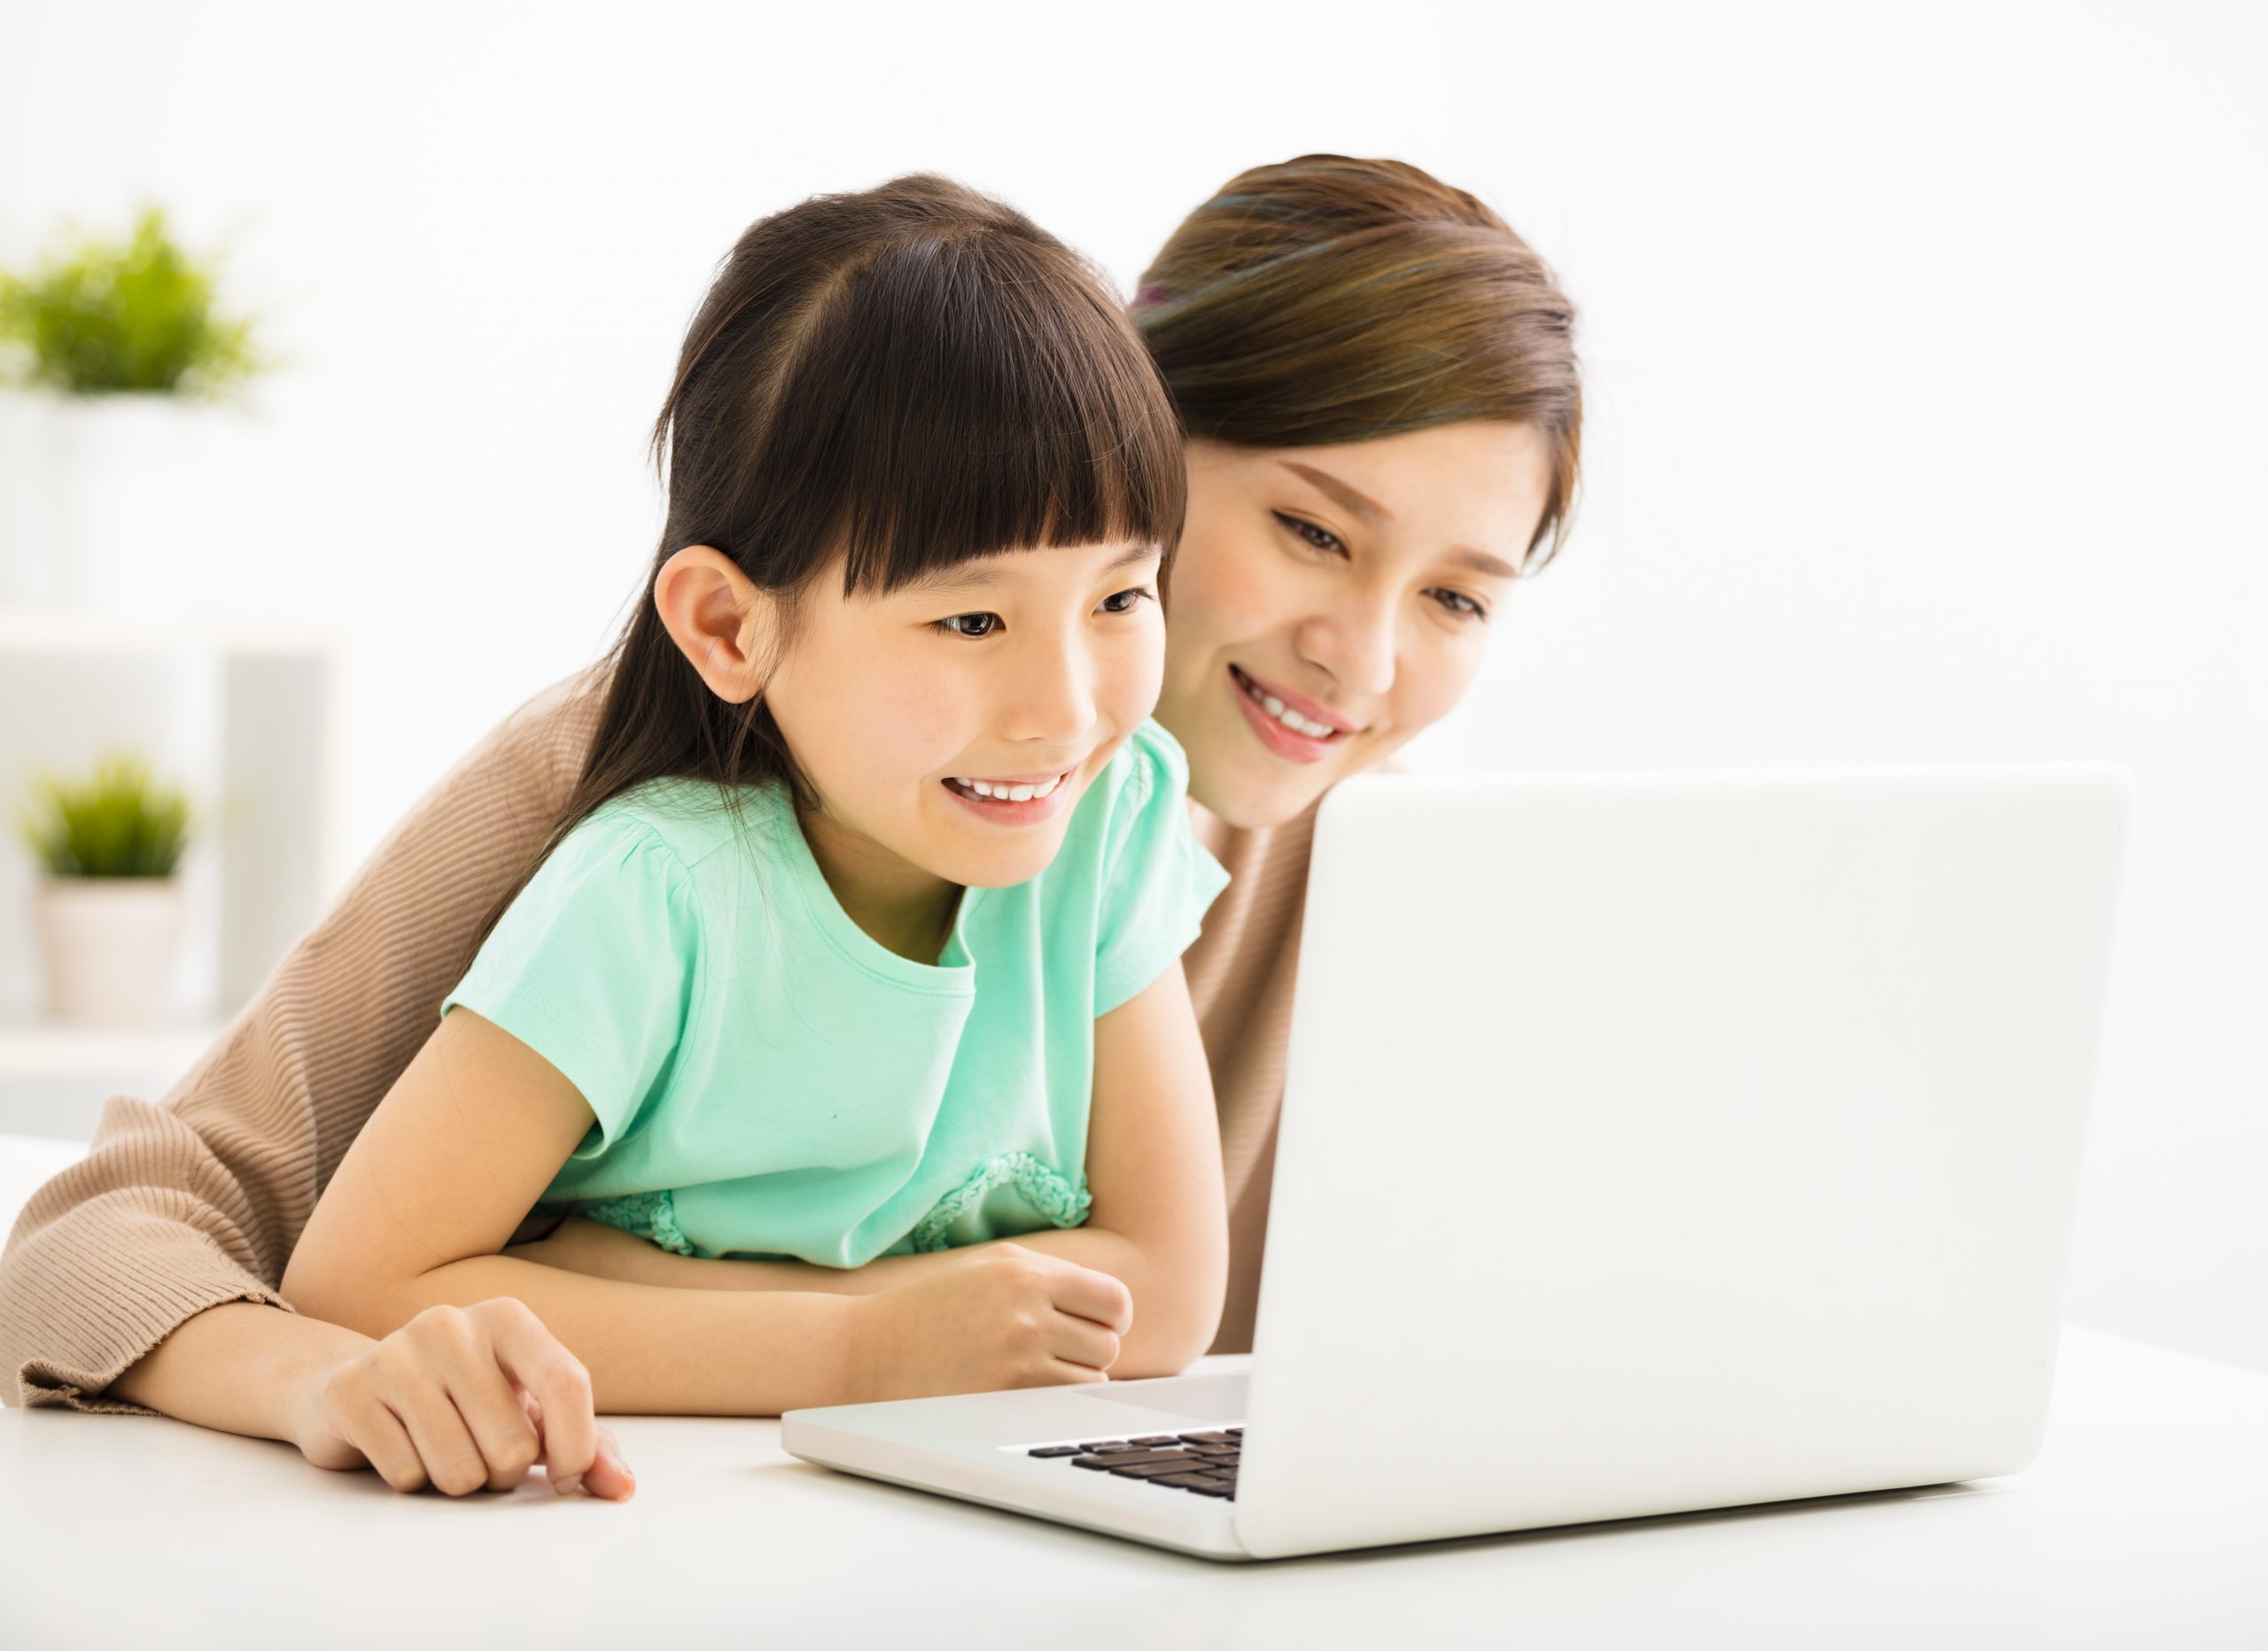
x=1328, y=300
x=906, y=377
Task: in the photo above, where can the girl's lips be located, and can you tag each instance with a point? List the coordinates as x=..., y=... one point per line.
x=1285, y=744
x=1030, y=812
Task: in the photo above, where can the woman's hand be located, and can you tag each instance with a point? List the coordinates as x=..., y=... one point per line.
x=990, y=1316
x=464, y=1398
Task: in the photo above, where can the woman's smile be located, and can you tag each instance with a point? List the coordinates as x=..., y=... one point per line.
x=1293, y=727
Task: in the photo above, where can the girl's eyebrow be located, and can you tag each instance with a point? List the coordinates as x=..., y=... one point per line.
x=989, y=571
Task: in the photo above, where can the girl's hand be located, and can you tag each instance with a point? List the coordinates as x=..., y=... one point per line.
x=465, y=1399
x=990, y=1316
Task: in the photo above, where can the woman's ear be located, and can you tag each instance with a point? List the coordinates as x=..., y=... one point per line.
x=721, y=620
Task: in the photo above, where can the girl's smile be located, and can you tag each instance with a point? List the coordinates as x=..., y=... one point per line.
x=1015, y=800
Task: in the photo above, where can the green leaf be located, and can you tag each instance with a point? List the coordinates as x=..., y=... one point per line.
x=118, y=823
x=103, y=317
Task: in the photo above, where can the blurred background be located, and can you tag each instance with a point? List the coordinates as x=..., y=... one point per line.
x=1923, y=347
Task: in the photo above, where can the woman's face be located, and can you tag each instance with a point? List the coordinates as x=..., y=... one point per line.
x=1356, y=585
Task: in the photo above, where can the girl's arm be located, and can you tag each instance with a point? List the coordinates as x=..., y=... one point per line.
x=1159, y=1224
x=457, y=1152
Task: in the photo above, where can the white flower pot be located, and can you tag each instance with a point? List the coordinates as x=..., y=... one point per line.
x=123, y=480
x=108, y=946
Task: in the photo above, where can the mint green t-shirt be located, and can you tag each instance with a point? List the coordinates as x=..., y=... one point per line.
x=769, y=1080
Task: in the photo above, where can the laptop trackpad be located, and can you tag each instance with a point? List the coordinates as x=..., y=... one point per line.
x=1197, y=1399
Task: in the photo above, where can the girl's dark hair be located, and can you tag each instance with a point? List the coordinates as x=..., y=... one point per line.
x=1328, y=300
x=909, y=376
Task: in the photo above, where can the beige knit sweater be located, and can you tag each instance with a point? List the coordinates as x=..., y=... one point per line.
x=198, y=1199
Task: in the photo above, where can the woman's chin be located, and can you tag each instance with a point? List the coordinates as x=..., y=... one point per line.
x=1247, y=800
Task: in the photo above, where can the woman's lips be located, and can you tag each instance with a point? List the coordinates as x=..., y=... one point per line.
x=1286, y=744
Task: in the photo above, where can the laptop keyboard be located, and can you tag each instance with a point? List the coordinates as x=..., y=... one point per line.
x=1205, y=1463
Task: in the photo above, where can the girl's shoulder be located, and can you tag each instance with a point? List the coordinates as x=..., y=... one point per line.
x=1137, y=810
x=691, y=820
x=1149, y=764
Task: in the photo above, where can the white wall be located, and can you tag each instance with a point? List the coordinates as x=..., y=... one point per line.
x=1924, y=351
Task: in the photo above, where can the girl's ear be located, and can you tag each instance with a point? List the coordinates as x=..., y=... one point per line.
x=721, y=620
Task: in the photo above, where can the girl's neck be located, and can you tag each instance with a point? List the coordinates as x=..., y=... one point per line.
x=899, y=906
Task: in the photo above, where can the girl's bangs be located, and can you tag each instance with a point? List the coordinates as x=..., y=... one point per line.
x=1033, y=417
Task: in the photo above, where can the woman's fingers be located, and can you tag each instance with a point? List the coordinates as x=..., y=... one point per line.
x=571, y=1438
x=453, y=1463
x=491, y=1407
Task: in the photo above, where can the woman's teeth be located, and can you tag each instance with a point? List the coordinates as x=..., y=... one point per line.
x=1009, y=793
x=1283, y=713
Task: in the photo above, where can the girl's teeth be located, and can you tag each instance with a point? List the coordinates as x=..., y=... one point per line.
x=1012, y=793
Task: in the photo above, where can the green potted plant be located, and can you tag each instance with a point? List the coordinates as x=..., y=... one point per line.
x=122, y=341
x=109, y=905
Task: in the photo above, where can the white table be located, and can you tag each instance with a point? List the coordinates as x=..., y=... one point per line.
x=2142, y=1526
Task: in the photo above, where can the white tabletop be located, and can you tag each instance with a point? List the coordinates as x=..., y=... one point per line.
x=2130, y=1530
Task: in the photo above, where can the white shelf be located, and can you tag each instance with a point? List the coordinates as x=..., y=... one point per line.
x=34, y=1050
x=247, y=718
x=62, y=631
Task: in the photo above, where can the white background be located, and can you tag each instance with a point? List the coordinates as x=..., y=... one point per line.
x=1924, y=353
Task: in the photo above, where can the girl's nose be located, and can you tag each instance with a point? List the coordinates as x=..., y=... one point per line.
x=1050, y=699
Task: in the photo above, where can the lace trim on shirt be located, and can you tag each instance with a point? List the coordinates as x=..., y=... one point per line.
x=651, y=1215
x=1042, y=1188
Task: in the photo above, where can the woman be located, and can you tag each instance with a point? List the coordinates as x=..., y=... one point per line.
x=1377, y=380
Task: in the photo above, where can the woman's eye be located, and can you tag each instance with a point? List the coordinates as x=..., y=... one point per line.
x=1132, y=599
x=1313, y=537
x=1458, y=603
x=984, y=624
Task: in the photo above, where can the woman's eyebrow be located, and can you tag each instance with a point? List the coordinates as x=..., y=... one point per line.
x=1371, y=509
x=1360, y=504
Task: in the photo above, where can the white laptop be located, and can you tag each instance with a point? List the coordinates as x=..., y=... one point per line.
x=1650, y=1142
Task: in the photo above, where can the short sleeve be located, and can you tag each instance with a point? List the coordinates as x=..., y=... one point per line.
x=1157, y=879
x=595, y=964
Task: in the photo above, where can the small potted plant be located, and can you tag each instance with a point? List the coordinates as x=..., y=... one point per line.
x=109, y=905
x=120, y=340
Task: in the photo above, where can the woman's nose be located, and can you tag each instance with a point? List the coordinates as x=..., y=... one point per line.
x=1355, y=642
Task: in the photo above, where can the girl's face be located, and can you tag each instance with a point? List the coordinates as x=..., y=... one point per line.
x=1018, y=675
x=1353, y=585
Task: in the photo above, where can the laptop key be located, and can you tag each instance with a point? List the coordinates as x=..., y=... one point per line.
x=1055, y=1450
x=1104, y=1444
x=1185, y=1481
x=1215, y=1438
x=1125, y=1459
x=1156, y=1439
x=1149, y=1471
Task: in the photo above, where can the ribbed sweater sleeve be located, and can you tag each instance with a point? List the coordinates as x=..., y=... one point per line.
x=198, y=1199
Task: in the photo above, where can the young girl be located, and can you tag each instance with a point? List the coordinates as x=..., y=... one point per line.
x=860, y=935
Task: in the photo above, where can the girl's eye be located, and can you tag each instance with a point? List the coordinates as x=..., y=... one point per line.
x=1323, y=539
x=1458, y=603
x=985, y=625
x=1132, y=599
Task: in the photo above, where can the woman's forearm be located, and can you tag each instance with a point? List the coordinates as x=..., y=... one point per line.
x=241, y=1367
x=650, y=1349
